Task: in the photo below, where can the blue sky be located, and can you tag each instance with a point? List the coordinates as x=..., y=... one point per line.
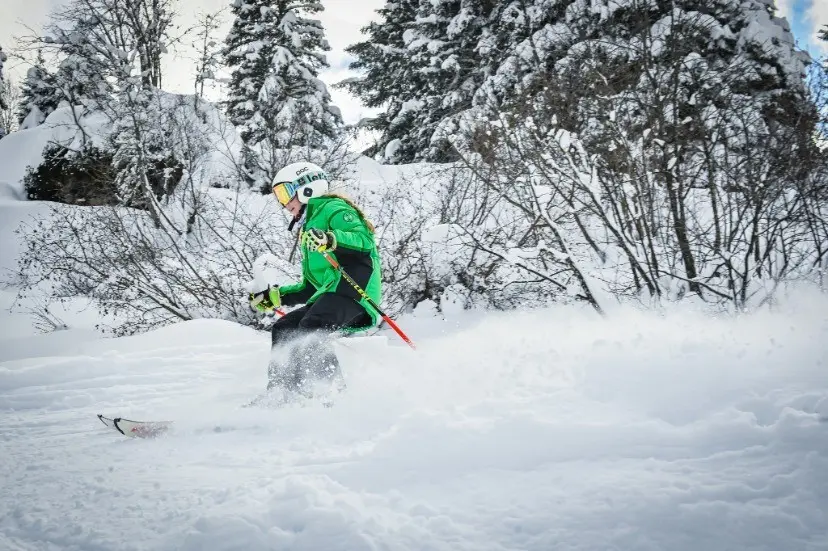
x=806, y=17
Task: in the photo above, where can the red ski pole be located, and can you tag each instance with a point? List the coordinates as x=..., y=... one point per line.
x=368, y=299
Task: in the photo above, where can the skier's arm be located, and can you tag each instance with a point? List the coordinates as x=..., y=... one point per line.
x=350, y=232
x=296, y=293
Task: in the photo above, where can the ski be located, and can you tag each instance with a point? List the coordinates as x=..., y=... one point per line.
x=136, y=429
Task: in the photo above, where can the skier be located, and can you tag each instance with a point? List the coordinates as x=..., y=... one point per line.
x=301, y=353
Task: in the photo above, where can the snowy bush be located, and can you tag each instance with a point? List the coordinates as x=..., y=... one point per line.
x=74, y=177
x=194, y=265
x=727, y=218
x=200, y=257
x=404, y=212
x=429, y=219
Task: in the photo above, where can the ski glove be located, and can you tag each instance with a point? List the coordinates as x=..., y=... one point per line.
x=318, y=240
x=265, y=301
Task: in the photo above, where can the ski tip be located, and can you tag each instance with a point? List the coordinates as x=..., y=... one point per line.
x=141, y=429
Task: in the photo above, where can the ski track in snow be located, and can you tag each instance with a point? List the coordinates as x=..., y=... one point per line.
x=545, y=430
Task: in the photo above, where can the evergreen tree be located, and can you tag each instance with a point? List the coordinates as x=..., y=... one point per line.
x=422, y=63
x=2, y=88
x=39, y=95
x=248, y=51
x=391, y=78
x=611, y=45
x=276, y=52
x=295, y=106
x=429, y=62
x=449, y=34
x=384, y=57
x=524, y=37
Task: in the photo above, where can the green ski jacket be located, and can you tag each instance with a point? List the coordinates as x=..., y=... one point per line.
x=355, y=251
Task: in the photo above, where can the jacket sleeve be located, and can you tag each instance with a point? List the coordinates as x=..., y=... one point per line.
x=350, y=232
x=354, y=242
x=296, y=293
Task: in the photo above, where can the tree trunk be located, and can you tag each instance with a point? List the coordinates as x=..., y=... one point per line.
x=680, y=229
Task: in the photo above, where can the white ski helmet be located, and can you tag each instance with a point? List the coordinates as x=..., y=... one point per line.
x=304, y=180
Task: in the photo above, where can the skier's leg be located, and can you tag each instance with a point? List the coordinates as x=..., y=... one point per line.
x=313, y=356
x=314, y=352
x=282, y=371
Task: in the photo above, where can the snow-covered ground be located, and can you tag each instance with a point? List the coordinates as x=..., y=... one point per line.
x=539, y=430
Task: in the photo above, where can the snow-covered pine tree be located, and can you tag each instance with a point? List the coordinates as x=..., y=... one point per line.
x=2, y=89
x=295, y=107
x=247, y=52
x=523, y=36
x=383, y=58
x=421, y=62
x=275, y=52
x=446, y=44
x=609, y=44
x=39, y=95
x=391, y=79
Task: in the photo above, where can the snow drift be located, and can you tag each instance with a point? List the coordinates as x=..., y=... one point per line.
x=514, y=431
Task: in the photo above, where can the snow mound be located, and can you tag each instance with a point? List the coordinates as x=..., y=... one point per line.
x=24, y=149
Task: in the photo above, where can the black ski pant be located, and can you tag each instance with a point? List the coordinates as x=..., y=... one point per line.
x=301, y=352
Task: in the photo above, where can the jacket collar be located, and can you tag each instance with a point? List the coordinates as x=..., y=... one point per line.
x=315, y=203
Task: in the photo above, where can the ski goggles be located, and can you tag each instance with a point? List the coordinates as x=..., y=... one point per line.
x=284, y=191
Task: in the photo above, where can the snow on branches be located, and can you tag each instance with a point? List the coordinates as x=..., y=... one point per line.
x=276, y=99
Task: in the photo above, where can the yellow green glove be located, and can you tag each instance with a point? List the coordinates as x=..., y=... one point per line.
x=265, y=301
x=318, y=240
